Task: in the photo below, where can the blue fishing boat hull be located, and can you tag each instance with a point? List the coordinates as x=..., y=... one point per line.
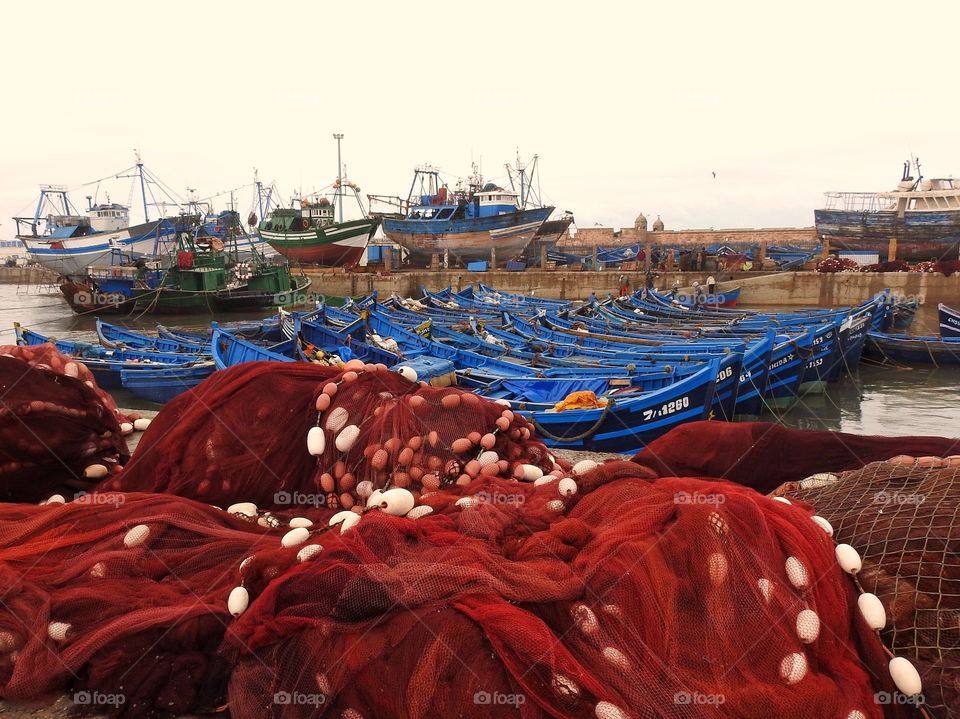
x=629, y=423
x=908, y=349
x=112, y=336
x=921, y=235
x=162, y=385
x=949, y=321
x=229, y=350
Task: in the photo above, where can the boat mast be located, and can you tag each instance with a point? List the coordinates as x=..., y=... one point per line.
x=143, y=187
x=339, y=136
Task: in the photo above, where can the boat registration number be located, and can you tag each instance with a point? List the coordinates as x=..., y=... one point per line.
x=667, y=409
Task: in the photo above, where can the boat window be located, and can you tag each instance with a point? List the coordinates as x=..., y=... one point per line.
x=445, y=213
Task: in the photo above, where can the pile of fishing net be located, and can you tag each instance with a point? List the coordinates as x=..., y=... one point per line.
x=389, y=549
x=56, y=426
x=837, y=264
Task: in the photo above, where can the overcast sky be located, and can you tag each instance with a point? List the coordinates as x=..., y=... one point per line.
x=631, y=106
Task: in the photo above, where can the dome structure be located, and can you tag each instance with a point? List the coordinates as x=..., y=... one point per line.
x=657, y=224
x=641, y=222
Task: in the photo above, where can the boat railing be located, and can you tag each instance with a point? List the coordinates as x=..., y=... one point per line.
x=856, y=202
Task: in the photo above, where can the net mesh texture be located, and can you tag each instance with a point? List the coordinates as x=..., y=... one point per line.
x=516, y=586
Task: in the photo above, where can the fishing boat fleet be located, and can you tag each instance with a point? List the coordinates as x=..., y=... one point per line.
x=606, y=376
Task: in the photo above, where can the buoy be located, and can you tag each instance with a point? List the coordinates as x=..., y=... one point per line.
x=766, y=588
x=872, y=610
x=616, y=657
x=126, y=427
x=461, y=445
x=467, y=502
x=856, y=714
x=345, y=519
x=848, y=559
x=797, y=573
x=248, y=509
x=905, y=676
x=316, y=440
x=451, y=401
x=566, y=486
x=95, y=471
x=808, y=626
x=349, y=377
x=323, y=402
x=585, y=619
x=584, y=466
x=330, y=389
x=545, y=479
x=782, y=500
x=297, y=522
x=56, y=499
x=606, y=710
x=488, y=457
x=379, y=459
x=141, y=424
x=337, y=419
x=823, y=524
x=530, y=472
x=354, y=365
x=347, y=438
x=503, y=424
x=397, y=501
x=718, y=566
x=238, y=601
x=488, y=440
x=422, y=511
x=295, y=537
x=136, y=536
x=408, y=373
x=556, y=505
x=57, y=631
x=793, y=668
x=308, y=552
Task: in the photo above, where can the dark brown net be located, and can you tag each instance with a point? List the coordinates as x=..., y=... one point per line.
x=902, y=518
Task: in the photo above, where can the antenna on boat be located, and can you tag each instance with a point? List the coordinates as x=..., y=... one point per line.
x=339, y=196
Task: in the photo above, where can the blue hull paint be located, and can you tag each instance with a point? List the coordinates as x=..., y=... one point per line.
x=162, y=385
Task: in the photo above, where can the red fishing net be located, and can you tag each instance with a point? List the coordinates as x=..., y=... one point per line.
x=56, y=426
x=476, y=586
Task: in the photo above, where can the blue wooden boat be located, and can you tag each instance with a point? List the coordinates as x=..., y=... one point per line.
x=229, y=349
x=949, y=321
x=909, y=349
x=693, y=300
x=116, y=337
x=106, y=364
x=631, y=420
x=464, y=224
x=162, y=384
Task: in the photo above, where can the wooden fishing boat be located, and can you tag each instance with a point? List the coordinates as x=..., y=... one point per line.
x=949, y=321
x=909, y=349
x=116, y=337
x=630, y=419
x=162, y=384
x=106, y=364
x=229, y=349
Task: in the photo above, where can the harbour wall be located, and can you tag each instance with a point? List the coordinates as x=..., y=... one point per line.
x=738, y=236
x=806, y=289
x=27, y=276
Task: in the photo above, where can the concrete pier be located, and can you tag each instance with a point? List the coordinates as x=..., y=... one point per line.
x=807, y=289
